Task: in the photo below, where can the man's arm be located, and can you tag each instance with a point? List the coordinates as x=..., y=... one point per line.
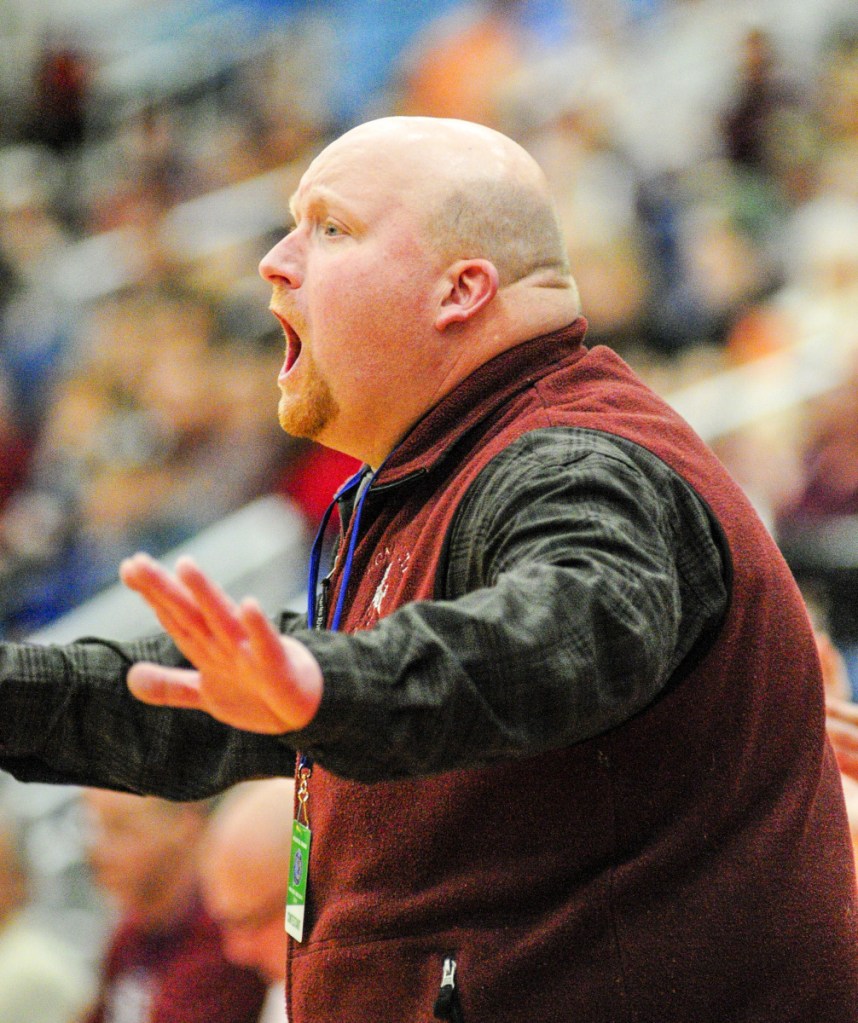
x=584, y=574
x=842, y=726
x=67, y=716
x=588, y=579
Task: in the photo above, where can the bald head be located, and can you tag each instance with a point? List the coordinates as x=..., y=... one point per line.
x=244, y=870
x=422, y=249
x=481, y=194
x=253, y=826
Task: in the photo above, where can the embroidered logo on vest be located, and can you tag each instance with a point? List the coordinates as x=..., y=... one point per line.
x=392, y=576
x=381, y=590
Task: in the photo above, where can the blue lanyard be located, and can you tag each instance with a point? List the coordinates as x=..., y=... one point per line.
x=363, y=480
x=362, y=476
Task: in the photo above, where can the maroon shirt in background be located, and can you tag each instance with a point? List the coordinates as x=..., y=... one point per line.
x=180, y=976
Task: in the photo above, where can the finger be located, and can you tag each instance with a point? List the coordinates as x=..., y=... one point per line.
x=141, y=571
x=842, y=734
x=220, y=611
x=297, y=679
x=264, y=641
x=174, y=605
x=140, y=574
x=160, y=589
x=841, y=710
x=165, y=687
x=848, y=763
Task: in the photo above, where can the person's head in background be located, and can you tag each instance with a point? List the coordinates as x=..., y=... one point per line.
x=244, y=871
x=143, y=853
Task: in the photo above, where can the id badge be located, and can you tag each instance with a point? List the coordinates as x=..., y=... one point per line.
x=296, y=893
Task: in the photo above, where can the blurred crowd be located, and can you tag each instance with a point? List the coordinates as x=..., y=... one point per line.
x=191, y=899
x=704, y=155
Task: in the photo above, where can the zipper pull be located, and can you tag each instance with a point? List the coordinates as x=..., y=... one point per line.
x=447, y=1003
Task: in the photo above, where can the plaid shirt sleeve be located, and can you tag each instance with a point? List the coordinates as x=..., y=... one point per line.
x=66, y=715
x=582, y=572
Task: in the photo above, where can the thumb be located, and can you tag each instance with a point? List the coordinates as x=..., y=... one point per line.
x=165, y=687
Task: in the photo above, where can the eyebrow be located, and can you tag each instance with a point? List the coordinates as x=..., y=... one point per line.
x=318, y=205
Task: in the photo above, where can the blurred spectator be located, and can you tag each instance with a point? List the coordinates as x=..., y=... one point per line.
x=710, y=238
x=285, y=103
x=150, y=171
x=14, y=446
x=817, y=528
x=245, y=871
x=41, y=980
x=842, y=727
x=810, y=448
x=460, y=64
x=164, y=963
x=850, y=792
x=843, y=733
x=762, y=94
x=834, y=674
x=838, y=86
x=813, y=161
x=830, y=462
x=35, y=323
x=465, y=63
x=572, y=134
x=61, y=87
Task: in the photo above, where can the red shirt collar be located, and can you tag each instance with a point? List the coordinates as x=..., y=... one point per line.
x=480, y=394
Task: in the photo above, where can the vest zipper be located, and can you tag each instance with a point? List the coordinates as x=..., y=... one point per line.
x=447, y=1003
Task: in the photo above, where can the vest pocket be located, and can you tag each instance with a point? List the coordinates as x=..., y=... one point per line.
x=447, y=1006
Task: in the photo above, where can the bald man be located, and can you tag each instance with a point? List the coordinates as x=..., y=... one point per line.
x=557, y=704
x=244, y=868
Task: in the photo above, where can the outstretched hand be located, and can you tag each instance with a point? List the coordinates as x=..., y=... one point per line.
x=245, y=673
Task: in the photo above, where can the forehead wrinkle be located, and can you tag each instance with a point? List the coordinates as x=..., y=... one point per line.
x=312, y=204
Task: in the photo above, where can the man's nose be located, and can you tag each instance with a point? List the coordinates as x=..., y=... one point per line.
x=282, y=264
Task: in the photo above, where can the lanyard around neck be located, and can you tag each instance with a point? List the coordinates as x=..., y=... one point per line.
x=362, y=480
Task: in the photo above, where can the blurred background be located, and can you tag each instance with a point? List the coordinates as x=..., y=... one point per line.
x=704, y=155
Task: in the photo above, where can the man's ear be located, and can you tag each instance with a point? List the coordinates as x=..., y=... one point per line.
x=469, y=285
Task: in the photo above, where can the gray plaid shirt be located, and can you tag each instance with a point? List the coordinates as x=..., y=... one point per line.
x=583, y=576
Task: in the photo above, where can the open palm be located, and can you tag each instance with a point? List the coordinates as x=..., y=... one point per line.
x=245, y=673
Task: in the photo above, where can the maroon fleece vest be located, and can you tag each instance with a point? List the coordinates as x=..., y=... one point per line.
x=689, y=866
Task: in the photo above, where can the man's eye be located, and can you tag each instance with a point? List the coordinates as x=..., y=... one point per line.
x=330, y=230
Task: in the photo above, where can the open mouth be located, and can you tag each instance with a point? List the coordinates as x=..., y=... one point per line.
x=293, y=347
